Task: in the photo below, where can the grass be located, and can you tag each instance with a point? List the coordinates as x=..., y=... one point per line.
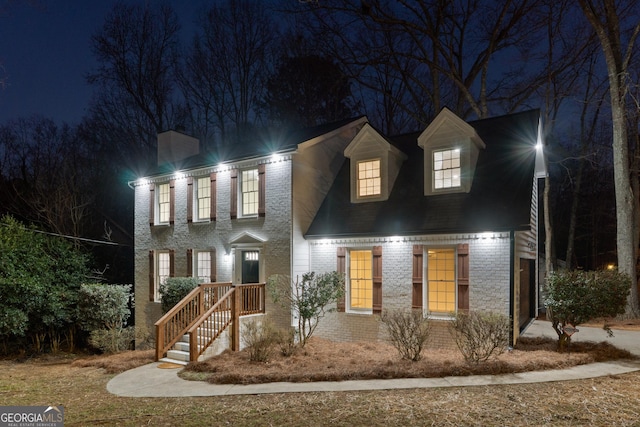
x=79, y=384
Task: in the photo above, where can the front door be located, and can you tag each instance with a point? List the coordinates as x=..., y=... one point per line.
x=250, y=260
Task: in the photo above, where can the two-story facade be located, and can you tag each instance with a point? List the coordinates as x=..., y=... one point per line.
x=234, y=215
x=441, y=220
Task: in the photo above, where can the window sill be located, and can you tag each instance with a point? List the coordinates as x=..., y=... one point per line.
x=440, y=317
x=201, y=221
x=359, y=312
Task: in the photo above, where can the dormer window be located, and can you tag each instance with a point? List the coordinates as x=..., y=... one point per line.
x=374, y=166
x=446, y=169
x=451, y=149
x=369, y=181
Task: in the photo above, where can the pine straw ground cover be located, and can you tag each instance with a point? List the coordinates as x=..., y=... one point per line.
x=322, y=360
x=80, y=386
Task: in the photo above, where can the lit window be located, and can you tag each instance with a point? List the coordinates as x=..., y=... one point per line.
x=360, y=280
x=441, y=280
x=203, y=199
x=446, y=169
x=369, y=178
x=249, y=192
x=203, y=266
x=163, y=272
x=164, y=203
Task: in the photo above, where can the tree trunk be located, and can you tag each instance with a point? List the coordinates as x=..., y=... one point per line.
x=606, y=23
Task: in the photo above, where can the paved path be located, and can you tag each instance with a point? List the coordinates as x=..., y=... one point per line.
x=151, y=381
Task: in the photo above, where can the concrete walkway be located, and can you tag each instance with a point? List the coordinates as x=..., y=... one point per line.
x=152, y=381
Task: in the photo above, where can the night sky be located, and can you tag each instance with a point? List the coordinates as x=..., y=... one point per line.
x=45, y=54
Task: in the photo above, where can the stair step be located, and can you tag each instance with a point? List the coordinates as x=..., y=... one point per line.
x=178, y=355
x=175, y=361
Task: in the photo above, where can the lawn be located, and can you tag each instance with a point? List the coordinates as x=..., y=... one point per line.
x=79, y=384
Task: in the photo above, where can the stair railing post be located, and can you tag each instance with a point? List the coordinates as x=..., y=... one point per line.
x=200, y=301
x=235, y=314
x=159, y=342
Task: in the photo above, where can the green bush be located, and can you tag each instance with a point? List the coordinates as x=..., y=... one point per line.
x=39, y=283
x=409, y=331
x=174, y=289
x=575, y=297
x=480, y=335
x=103, y=306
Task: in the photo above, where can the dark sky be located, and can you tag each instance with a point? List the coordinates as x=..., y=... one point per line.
x=45, y=54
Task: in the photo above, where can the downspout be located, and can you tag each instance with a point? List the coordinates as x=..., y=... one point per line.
x=511, y=285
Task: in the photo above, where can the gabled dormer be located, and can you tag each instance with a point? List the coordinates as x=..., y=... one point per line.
x=451, y=148
x=374, y=166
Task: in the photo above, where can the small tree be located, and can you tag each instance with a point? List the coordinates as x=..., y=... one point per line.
x=174, y=289
x=575, y=297
x=409, y=331
x=307, y=297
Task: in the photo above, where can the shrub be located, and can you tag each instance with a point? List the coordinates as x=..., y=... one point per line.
x=103, y=306
x=174, y=289
x=308, y=297
x=409, y=331
x=575, y=297
x=103, y=311
x=112, y=340
x=286, y=340
x=480, y=335
x=259, y=337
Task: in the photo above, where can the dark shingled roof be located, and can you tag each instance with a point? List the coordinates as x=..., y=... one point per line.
x=262, y=143
x=499, y=200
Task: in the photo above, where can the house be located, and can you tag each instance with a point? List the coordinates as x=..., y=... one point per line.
x=441, y=220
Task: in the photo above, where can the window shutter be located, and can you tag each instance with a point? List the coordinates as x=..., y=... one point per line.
x=341, y=269
x=189, y=262
x=212, y=196
x=418, y=263
x=172, y=263
x=152, y=276
x=213, y=265
x=233, y=208
x=463, y=276
x=377, y=279
x=152, y=203
x=190, y=199
x=172, y=201
x=261, y=190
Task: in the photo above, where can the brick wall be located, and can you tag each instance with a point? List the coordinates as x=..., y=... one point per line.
x=272, y=236
x=489, y=278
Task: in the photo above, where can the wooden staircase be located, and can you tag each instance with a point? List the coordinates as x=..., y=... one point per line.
x=180, y=353
x=206, y=321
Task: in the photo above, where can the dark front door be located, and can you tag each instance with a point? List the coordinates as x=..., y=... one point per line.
x=250, y=267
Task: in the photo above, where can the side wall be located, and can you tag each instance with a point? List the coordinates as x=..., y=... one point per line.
x=315, y=168
x=489, y=277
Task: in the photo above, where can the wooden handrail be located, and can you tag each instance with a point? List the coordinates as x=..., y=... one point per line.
x=177, y=321
x=210, y=325
x=205, y=313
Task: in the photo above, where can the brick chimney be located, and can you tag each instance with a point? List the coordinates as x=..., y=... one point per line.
x=174, y=146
